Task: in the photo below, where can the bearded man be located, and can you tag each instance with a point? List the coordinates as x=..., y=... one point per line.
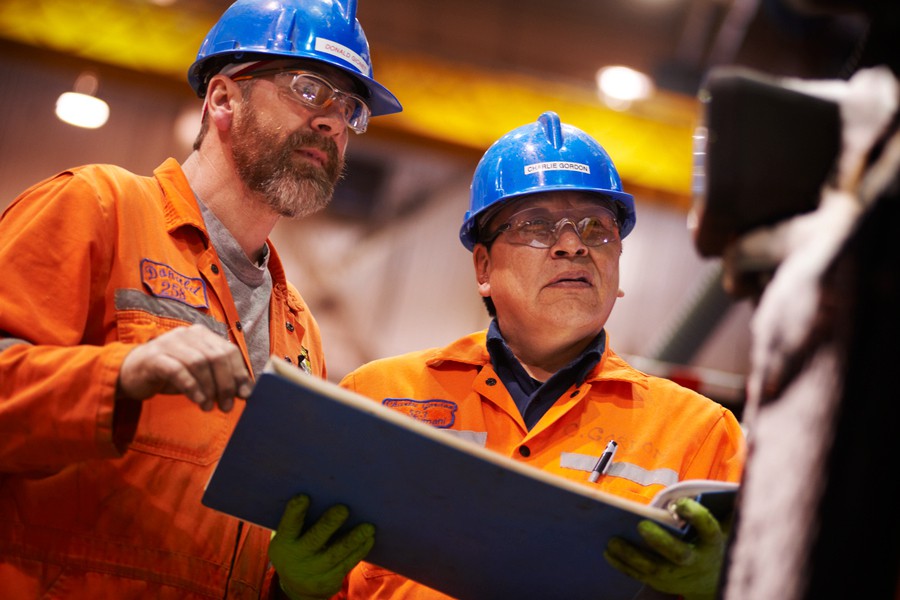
x=129, y=303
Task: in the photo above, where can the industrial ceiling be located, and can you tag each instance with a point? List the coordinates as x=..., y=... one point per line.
x=467, y=71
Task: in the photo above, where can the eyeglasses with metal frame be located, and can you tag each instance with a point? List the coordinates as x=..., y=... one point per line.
x=540, y=227
x=314, y=91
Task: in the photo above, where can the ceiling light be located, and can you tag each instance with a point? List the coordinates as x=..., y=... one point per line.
x=80, y=107
x=620, y=86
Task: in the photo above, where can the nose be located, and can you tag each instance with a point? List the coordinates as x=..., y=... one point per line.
x=329, y=120
x=568, y=242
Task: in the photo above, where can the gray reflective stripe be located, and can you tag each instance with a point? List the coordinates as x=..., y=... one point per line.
x=9, y=342
x=586, y=462
x=165, y=307
x=581, y=462
x=642, y=476
x=476, y=437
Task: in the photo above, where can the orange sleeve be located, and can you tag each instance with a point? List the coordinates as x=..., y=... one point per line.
x=57, y=235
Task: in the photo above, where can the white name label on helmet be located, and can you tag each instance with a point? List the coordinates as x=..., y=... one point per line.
x=556, y=166
x=341, y=51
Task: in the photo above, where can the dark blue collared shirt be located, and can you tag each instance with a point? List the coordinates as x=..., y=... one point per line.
x=534, y=398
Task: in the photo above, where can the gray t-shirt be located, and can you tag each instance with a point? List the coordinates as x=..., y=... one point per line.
x=250, y=284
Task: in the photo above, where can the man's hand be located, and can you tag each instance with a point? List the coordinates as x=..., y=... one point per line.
x=676, y=567
x=312, y=565
x=193, y=361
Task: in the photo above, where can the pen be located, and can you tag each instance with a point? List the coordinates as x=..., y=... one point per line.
x=603, y=461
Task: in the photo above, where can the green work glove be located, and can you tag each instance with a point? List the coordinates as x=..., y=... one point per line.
x=689, y=569
x=312, y=565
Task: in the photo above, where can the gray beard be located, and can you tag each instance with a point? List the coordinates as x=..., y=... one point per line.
x=295, y=194
x=267, y=166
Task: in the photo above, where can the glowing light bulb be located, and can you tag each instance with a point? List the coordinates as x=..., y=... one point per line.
x=620, y=86
x=80, y=107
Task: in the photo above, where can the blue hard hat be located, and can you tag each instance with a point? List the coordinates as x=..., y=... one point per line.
x=323, y=30
x=543, y=156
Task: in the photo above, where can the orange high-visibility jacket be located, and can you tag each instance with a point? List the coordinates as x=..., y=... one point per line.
x=95, y=501
x=665, y=432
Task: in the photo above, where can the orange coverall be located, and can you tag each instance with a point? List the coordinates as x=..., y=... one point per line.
x=665, y=433
x=99, y=502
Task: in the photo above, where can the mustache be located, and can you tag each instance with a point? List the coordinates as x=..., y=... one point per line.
x=308, y=139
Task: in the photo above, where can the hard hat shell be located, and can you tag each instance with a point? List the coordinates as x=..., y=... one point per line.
x=543, y=156
x=323, y=30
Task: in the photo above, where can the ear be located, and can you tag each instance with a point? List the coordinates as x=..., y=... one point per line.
x=222, y=95
x=482, y=261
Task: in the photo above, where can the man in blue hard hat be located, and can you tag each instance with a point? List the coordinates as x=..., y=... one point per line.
x=134, y=310
x=543, y=386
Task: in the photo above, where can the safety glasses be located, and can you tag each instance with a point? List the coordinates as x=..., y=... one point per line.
x=540, y=227
x=313, y=91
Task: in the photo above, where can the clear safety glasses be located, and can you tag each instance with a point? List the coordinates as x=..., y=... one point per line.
x=540, y=227
x=311, y=90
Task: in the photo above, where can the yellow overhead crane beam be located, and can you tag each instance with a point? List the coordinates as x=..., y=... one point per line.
x=462, y=105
